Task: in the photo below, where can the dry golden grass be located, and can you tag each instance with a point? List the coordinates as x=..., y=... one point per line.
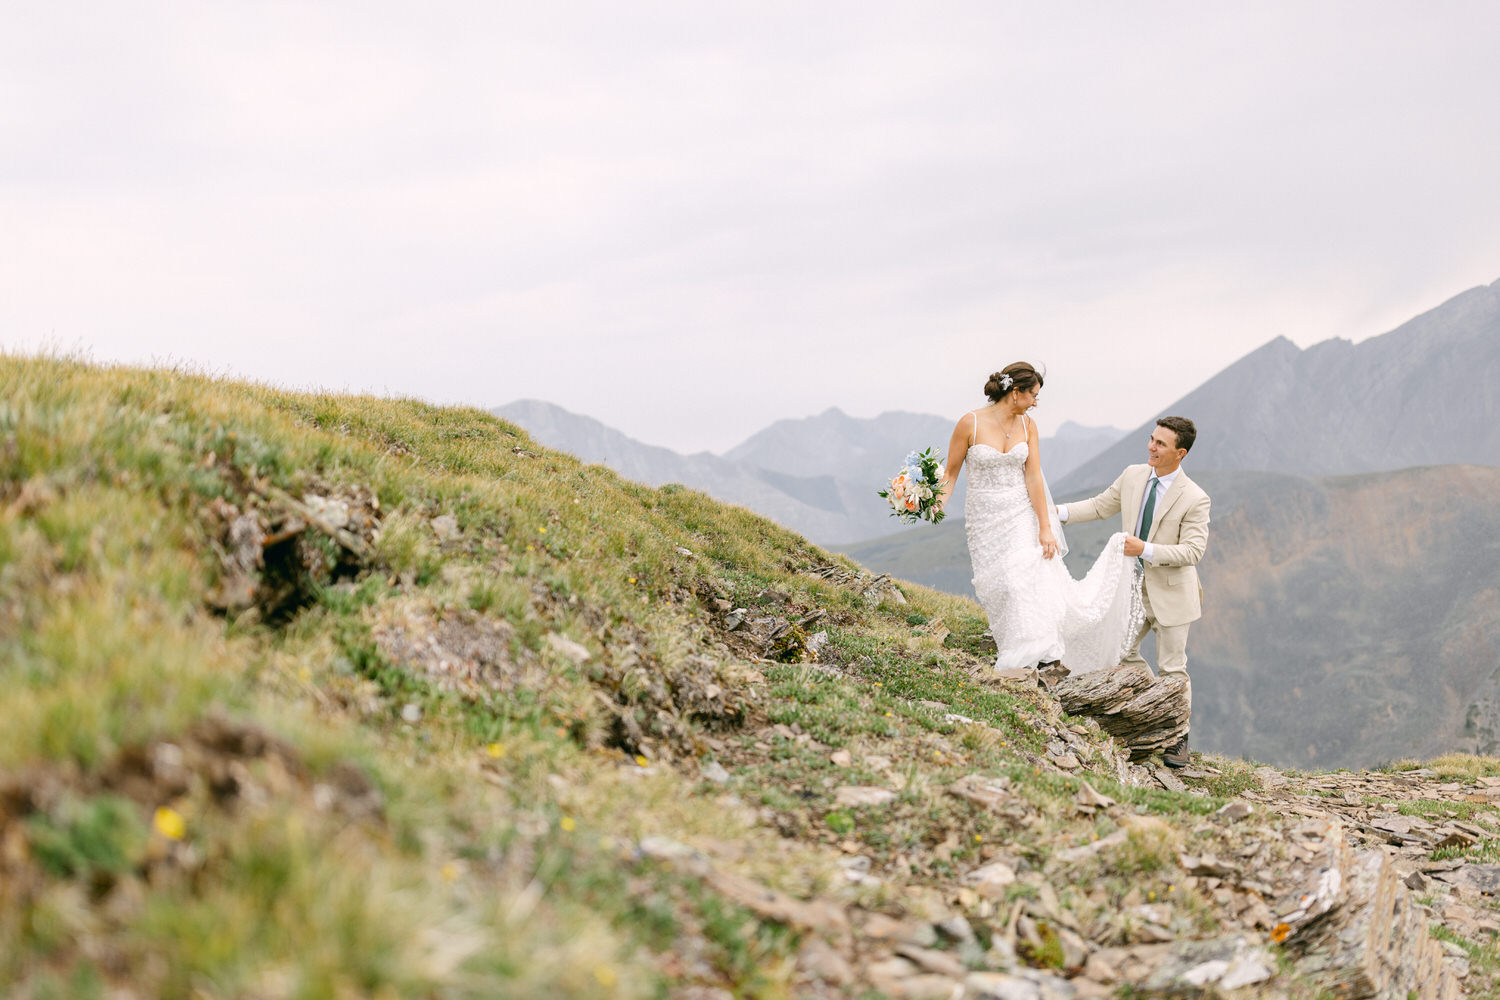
x=1454, y=766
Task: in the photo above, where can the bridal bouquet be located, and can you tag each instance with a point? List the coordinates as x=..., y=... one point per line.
x=913, y=492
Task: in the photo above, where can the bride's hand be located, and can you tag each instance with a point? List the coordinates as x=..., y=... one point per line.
x=1049, y=543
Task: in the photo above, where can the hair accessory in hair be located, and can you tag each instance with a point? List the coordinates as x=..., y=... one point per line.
x=1006, y=382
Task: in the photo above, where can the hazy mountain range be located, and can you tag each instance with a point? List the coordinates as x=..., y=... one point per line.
x=818, y=475
x=1426, y=393
x=1351, y=620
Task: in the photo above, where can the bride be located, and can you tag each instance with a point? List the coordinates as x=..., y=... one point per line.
x=1039, y=615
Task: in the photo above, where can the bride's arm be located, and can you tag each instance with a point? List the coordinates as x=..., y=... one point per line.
x=958, y=447
x=1036, y=493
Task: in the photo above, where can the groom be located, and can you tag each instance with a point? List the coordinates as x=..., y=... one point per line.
x=1166, y=516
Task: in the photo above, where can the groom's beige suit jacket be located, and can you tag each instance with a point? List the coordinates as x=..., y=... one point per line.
x=1178, y=536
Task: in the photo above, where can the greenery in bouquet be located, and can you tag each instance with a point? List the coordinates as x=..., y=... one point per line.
x=913, y=492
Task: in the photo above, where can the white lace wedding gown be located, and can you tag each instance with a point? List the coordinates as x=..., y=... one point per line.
x=1037, y=611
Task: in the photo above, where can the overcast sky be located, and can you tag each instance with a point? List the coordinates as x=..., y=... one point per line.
x=690, y=219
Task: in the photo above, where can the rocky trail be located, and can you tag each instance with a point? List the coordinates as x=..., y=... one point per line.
x=1324, y=883
x=1302, y=885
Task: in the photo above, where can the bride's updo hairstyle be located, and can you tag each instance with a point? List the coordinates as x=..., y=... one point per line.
x=1010, y=378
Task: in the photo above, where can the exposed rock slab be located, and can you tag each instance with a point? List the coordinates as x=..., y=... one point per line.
x=1148, y=714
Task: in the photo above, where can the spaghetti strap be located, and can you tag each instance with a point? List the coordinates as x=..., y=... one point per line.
x=974, y=436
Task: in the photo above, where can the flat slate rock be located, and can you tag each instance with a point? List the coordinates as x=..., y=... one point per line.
x=1483, y=879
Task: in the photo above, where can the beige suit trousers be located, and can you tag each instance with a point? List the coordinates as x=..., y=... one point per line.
x=1171, y=648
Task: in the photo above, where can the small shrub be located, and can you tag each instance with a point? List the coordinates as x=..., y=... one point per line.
x=1046, y=951
x=789, y=647
x=840, y=822
x=1150, y=845
x=102, y=837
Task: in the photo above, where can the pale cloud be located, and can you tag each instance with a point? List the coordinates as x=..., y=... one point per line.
x=689, y=220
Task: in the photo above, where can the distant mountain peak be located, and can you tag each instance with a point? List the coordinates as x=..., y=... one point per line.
x=1421, y=394
x=1279, y=346
x=817, y=474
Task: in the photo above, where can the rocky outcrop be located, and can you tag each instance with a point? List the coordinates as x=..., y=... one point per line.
x=1145, y=714
x=1316, y=885
x=1294, y=900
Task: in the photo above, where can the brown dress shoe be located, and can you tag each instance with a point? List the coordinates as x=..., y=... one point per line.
x=1178, y=756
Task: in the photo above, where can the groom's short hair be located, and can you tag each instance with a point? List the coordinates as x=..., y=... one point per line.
x=1183, y=428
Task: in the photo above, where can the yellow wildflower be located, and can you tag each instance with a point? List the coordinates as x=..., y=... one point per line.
x=169, y=823
x=568, y=824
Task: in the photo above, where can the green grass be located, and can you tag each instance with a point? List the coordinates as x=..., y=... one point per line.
x=1235, y=777
x=900, y=668
x=1484, y=963
x=1453, y=766
x=110, y=647
x=1434, y=809
x=1484, y=852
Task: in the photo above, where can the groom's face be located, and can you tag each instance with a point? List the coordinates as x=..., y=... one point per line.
x=1162, y=453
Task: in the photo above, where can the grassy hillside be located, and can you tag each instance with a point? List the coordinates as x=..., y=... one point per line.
x=313, y=696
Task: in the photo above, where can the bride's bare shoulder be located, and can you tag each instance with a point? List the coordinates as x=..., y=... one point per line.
x=966, y=423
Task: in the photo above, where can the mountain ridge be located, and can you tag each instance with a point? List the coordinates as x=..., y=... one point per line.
x=1424, y=393
x=817, y=475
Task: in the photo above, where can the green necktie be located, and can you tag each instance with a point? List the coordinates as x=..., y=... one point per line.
x=1146, y=513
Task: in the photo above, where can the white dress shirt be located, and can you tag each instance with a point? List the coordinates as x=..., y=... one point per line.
x=1163, y=483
